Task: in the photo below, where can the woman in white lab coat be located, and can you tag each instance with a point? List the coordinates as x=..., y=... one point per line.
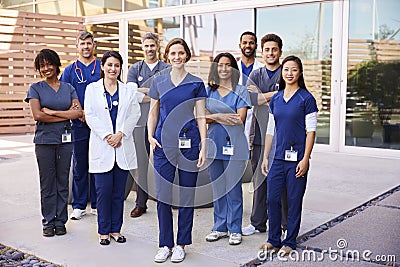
x=112, y=111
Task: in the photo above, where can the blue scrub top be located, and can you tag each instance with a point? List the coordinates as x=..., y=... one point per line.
x=218, y=133
x=49, y=133
x=246, y=72
x=73, y=76
x=290, y=121
x=113, y=109
x=176, y=109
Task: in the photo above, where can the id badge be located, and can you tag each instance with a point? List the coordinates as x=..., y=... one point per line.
x=227, y=150
x=184, y=143
x=290, y=155
x=66, y=138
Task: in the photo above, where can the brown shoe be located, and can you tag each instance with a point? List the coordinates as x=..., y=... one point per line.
x=137, y=212
x=284, y=251
x=268, y=248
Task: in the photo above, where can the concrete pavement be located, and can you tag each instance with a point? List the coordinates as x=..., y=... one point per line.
x=337, y=184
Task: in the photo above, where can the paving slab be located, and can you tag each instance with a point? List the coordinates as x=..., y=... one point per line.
x=337, y=183
x=375, y=229
x=392, y=200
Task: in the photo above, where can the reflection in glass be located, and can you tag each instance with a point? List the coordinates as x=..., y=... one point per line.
x=310, y=39
x=373, y=84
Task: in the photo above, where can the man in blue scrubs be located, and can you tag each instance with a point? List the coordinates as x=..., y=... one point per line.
x=85, y=70
x=142, y=73
x=262, y=84
x=247, y=63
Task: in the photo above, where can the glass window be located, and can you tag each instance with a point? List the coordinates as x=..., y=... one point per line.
x=165, y=28
x=307, y=36
x=210, y=34
x=373, y=84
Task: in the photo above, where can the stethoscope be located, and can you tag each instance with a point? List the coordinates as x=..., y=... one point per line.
x=113, y=103
x=140, y=78
x=81, y=79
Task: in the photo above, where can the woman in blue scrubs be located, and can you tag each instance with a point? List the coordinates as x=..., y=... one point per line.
x=53, y=104
x=112, y=111
x=227, y=149
x=293, y=118
x=176, y=137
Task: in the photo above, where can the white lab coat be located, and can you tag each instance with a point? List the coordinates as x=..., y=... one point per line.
x=257, y=65
x=101, y=155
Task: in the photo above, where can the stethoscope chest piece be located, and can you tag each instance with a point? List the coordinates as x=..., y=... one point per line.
x=140, y=78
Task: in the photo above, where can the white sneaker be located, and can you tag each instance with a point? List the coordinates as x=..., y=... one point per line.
x=215, y=235
x=249, y=230
x=178, y=254
x=77, y=214
x=162, y=254
x=93, y=211
x=235, y=239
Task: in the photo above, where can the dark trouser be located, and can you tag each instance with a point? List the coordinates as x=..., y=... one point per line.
x=259, y=212
x=280, y=176
x=142, y=151
x=164, y=174
x=54, y=162
x=80, y=182
x=110, y=189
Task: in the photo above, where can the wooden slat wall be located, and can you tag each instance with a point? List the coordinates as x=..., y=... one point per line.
x=22, y=36
x=369, y=50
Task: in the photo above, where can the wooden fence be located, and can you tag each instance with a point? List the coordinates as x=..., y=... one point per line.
x=22, y=35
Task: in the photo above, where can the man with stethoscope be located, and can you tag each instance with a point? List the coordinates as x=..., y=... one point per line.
x=85, y=70
x=142, y=73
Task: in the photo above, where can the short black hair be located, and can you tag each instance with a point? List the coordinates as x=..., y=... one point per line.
x=49, y=56
x=248, y=33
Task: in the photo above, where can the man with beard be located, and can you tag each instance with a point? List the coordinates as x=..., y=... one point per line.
x=262, y=84
x=142, y=73
x=247, y=63
x=85, y=70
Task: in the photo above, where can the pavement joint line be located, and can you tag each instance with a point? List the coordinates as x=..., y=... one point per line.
x=389, y=206
x=335, y=221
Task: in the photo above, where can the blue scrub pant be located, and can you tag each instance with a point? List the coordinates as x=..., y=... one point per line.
x=226, y=177
x=54, y=162
x=280, y=176
x=165, y=164
x=110, y=189
x=80, y=182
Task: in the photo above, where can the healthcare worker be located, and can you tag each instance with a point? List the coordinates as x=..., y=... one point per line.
x=227, y=147
x=142, y=73
x=293, y=121
x=53, y=103
x=112, y=111
x=177, y=138
x=85, y=70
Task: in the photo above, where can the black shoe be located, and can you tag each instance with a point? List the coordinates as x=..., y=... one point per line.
x=48, y=232
x=60, y=230
x=105, y=241
x=119, y=238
